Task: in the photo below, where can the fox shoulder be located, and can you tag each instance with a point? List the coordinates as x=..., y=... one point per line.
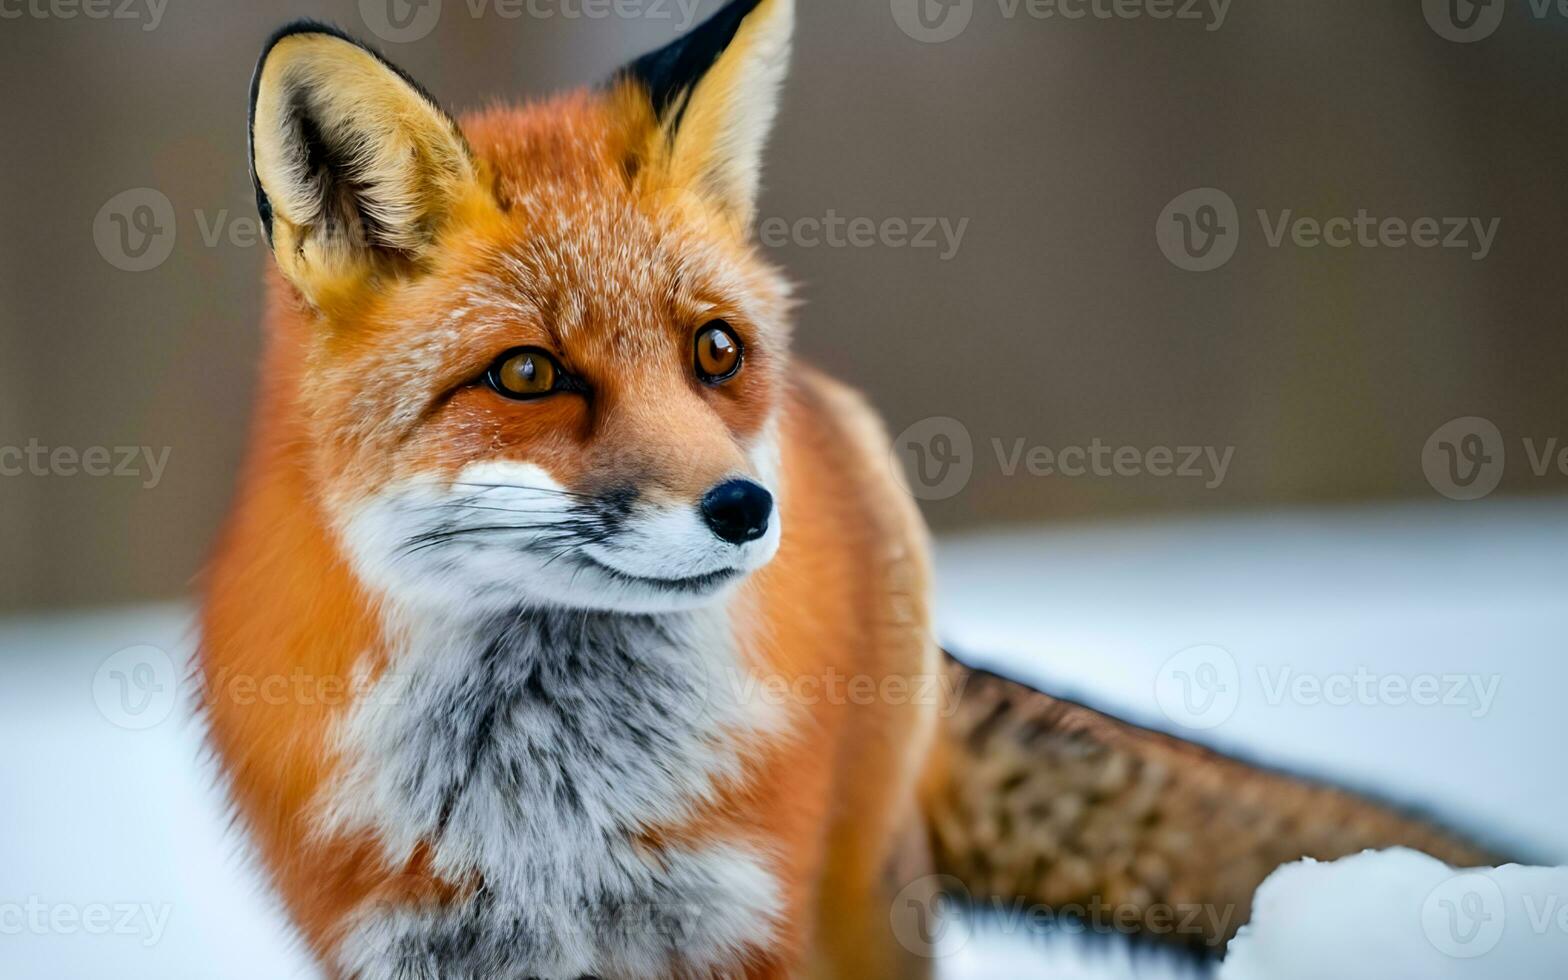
x=837, y=449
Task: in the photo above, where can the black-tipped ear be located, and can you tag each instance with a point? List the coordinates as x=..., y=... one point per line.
x=352, y=161
x=675, y=69
x=714, y=93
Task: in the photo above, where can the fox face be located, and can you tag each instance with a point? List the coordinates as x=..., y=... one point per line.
x=543, y=360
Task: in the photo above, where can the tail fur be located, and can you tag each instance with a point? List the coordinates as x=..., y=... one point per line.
x=1053, y=803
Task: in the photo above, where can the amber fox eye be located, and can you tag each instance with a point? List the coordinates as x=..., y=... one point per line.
x=525, y=374
x=718, y=352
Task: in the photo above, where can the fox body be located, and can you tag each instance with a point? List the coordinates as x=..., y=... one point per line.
x=560, y=756
x=594, y=567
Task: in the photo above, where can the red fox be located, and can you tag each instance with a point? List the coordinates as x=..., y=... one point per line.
x=614, y=615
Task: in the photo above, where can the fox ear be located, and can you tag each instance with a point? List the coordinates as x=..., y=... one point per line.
x=355, y=166
x=714, y=94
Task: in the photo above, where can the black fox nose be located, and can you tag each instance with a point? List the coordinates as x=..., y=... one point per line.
x=738, y=511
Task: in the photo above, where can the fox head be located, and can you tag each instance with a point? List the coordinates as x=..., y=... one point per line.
x=537, y=357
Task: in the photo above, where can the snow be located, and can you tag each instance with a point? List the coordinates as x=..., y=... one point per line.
x=1400, y=915
x=115, y=858
x=103, y=816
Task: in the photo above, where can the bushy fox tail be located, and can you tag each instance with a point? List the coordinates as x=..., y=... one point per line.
x=1048, y=802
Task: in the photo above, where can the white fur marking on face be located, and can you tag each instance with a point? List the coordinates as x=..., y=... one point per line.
x=767, y=460
x=506, y=534
x=673, y=541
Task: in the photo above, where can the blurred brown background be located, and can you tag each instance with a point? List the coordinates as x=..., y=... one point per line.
x=1057, y=321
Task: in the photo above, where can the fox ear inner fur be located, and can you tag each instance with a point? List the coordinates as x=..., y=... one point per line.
x=714, y=93
x=355, y=166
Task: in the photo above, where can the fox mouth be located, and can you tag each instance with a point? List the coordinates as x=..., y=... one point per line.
x=694, y=583
x=504, y=533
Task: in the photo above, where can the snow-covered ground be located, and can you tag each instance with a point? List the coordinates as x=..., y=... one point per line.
x=1417, y=651
x=1400, y=915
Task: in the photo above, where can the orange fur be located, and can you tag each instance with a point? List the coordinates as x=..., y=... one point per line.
x=594, y=229
x=574, y=241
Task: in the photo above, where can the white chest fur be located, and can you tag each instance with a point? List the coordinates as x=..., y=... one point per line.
x=529, y=751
